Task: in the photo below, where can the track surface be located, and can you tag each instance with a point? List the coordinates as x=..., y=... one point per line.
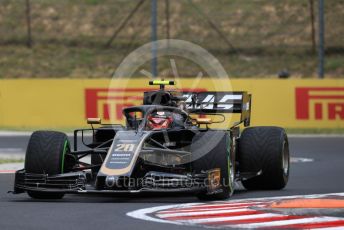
x=324, y=175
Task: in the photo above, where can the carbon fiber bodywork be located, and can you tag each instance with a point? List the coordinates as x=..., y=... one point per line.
x=184, y=157
x=150, y=166
x=81, y=182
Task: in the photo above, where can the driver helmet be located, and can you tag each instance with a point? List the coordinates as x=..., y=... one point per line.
x=159, y=120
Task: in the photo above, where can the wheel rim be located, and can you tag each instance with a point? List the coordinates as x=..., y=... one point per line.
x=232, y=172
x=285, y=159
x=232, y=167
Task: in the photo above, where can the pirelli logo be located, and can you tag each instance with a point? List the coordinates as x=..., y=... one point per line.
x=319, y=103
x=108, y=103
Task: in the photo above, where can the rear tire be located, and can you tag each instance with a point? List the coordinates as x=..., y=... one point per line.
x=219, y=156
x=266, y=149
x=45, y=154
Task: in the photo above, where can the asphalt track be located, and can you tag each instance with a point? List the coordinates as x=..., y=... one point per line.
x=323, y=175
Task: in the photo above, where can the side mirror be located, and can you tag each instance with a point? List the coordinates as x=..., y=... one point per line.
x=94, y=121
x=204, y=121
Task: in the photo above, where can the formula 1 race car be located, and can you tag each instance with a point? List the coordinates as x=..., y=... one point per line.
x=167, y=145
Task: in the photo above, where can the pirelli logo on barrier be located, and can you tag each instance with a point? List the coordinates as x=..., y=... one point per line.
x=319, y=103
x=108, y=103
x=292, y=103
x=311, y=103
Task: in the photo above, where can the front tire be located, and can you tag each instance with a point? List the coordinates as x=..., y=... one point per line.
x=266, y=149
x=219, y=156
x=45, y=154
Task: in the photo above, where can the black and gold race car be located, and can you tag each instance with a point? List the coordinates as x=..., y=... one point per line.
x=167, y=145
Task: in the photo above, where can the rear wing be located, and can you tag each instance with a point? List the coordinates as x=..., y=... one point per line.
x=220, y=102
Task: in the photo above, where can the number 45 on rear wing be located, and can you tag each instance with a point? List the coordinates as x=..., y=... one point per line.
x=220, y=102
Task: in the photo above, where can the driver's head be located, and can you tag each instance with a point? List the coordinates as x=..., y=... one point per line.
x=159, y=120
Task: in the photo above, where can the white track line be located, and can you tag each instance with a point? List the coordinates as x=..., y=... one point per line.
x=202, y=213
x=143, y=214
x=203, y=210
x=11, y=150
x=301, y=160
x=231, y=218
x=208, y=209
x=14, y=133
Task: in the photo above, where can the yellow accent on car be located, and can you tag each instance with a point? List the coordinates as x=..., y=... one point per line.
x=94, y=120
x=161, y=82
x=205, y=121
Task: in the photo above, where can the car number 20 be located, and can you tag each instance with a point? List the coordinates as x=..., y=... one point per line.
x=125, y=147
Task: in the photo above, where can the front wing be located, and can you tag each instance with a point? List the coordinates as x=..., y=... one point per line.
x=78, y=182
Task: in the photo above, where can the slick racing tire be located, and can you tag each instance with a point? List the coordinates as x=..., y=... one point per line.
x=218, y=157
x=46, y=153
x=265, y=149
